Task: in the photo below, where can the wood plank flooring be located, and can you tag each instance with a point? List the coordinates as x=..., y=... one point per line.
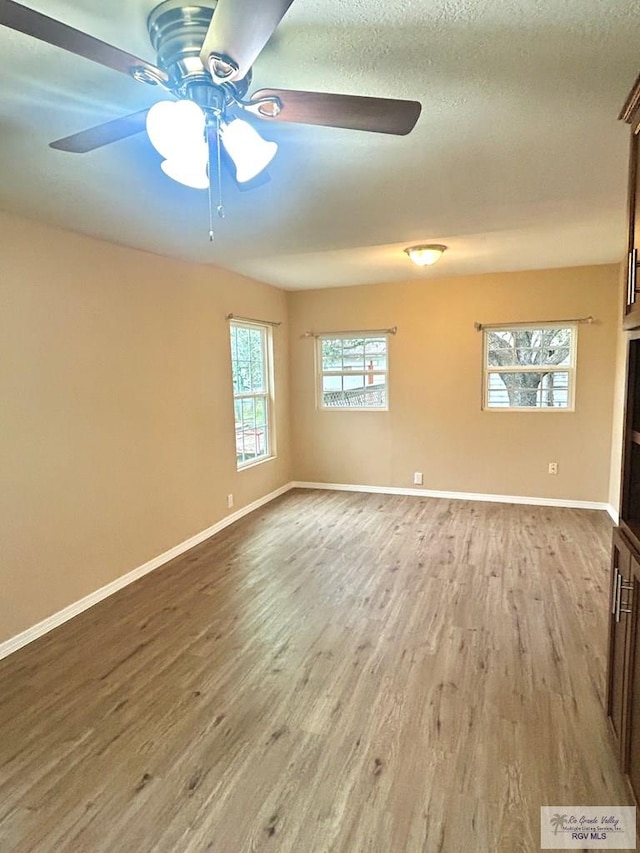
x=336, y=673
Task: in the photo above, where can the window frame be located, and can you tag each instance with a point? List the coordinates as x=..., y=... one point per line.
x=268, y=395
x=321, y=373
x=569, y=369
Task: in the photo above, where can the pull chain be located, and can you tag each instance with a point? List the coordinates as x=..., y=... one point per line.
x=219, y=159
x=210, y=215
x=220, y=207
x=209, y=195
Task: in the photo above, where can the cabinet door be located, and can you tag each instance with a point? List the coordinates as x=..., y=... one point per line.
x=630, y=600
x=632, y=311
x=620, y=573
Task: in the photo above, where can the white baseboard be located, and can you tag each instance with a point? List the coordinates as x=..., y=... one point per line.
x=613, y=512
x=51, y=622
x=459, y=496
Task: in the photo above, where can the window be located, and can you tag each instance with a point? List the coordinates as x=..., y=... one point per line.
x=353, y=372
x=252, y=391
x=530, y=368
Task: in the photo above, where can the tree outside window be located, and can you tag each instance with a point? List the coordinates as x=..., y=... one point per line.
x=530, y=368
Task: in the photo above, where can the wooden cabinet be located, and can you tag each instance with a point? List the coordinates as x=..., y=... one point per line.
x=630, y=495
x=623, y=688
x=620, y=573
x=623, y=678
x=631, y=114
x=629, y=606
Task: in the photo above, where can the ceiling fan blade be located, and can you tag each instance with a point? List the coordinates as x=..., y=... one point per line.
x=32, y=23
x=102, y=134
x=354, y=112
x=239, y=30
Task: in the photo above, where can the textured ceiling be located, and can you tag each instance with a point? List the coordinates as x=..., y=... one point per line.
x=517, y=161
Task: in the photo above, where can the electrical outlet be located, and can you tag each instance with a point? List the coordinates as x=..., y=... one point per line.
x=417, y=478
x=229, y=501
x=553, y=467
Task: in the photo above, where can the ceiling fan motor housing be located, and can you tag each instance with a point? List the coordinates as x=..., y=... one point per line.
x=177, y=32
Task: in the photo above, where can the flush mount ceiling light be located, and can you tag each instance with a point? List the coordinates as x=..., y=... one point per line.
x=426, y=255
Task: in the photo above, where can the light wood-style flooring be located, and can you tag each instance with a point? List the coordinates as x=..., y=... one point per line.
x=337, y=672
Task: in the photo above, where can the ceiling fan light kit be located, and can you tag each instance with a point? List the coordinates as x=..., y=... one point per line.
x=177, y=130
x=204, y=54
x=426, y=255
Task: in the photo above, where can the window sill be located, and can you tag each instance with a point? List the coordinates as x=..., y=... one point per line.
x=255, y=462
x=351, y=409
x=531, y=409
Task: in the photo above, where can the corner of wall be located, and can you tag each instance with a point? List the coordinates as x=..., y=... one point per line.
x=617, y=414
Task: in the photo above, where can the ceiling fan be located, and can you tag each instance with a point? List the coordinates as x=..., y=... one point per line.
x=205, y=52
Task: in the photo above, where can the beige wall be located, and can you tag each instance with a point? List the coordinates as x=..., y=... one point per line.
x=435, y=423
x=116, y=411
x=117, y=422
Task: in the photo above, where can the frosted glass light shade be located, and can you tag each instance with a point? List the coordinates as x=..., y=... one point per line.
x=425, y=256
x=176, y=129
x=248, y=150
x=190, y=173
